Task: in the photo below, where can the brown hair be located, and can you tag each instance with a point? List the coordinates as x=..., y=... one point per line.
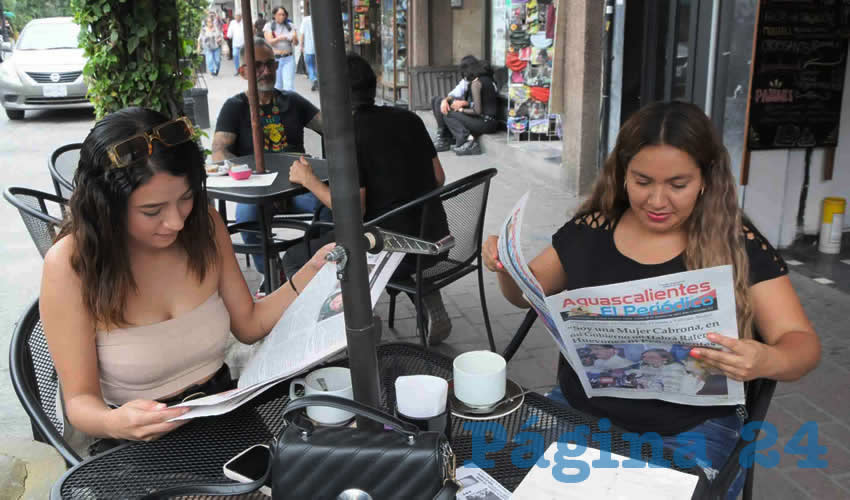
x=715, y=227
x=97, y=219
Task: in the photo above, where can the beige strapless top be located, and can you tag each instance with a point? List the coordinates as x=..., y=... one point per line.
x=158, y=360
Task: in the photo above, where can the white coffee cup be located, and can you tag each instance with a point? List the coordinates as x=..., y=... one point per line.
x=338, y=383
x=479, y=378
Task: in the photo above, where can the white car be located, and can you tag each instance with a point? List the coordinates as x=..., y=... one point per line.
x=45, y=69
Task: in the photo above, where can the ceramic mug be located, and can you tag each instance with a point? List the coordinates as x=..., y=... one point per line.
x=337, y=381
x=479, y=378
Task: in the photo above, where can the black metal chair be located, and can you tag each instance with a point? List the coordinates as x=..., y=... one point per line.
x=465, y=203
x=759, y=392
x=36, y=383
x=41, y=212
x=62, y=165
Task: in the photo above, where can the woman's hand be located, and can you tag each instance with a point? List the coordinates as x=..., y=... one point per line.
x=143, y=420
x=747, y=359
x=318, y=259
x=490, y=254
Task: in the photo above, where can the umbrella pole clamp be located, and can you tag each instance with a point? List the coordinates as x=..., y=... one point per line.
x=339, y=255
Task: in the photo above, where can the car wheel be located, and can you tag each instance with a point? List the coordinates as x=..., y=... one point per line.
x=15, y=114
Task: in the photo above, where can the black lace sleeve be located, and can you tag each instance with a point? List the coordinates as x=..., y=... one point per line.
x=576, y=240
x=765, y=261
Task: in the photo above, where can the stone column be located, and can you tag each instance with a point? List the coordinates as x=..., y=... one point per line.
x=582, y=92
x=420, y=45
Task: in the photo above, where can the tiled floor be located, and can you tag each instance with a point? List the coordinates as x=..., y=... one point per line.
x=825, y=269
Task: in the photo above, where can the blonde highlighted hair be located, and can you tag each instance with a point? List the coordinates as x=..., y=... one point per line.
x=715, y=227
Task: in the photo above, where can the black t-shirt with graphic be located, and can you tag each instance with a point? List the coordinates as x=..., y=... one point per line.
x=283, y=122
x=586, y=249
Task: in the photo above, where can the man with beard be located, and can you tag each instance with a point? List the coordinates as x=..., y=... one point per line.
x=283, y=116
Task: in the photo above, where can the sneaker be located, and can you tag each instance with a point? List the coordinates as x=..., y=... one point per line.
x=437, y=319
x=468, y=148
x=442, y=144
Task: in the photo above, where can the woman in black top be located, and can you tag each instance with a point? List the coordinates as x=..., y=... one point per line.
x=665, y=203
x=475, y=114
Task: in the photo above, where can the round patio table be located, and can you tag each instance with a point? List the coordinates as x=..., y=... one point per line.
x=265, y=196
x=196, y=452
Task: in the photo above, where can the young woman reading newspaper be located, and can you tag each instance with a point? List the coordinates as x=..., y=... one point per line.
x=142, y=288
x=664, y=203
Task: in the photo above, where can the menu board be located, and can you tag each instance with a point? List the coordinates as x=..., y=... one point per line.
x=798, y=74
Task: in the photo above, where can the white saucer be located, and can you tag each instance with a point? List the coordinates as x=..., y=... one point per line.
x=221, y=171
x=499, y=410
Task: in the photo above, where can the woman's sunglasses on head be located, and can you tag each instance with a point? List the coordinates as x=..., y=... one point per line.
x=139, y=147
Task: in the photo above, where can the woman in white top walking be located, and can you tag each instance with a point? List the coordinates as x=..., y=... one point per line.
x=282, y=37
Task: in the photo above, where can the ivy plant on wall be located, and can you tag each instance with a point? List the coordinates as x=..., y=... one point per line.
x=140, y=52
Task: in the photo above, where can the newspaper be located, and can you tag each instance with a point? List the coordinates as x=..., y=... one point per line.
x=632, y=339
x=633, y=482
x=476, y=484
x=311, y=330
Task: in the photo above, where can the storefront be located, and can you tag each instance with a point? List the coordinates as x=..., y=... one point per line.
x=701, y=51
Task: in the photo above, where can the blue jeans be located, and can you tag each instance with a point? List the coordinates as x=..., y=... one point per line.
x=303, y=203
x=236, y=58
x=720, y=435
x=310, y=62
x=285, y=76
x=213, y=57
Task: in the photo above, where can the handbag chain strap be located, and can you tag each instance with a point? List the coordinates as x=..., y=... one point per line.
x=449, y=463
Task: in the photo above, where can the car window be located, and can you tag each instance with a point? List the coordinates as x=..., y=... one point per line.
x=49, y=36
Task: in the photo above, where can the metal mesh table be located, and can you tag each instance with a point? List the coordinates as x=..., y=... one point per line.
x=196, y=452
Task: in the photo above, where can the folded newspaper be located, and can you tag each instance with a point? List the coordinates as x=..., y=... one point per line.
x=632, y=339
x=311, y=330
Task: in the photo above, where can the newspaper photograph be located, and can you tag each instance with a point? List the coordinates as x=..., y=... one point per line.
x=633, y=339
x=310, y=331
x=476, y=484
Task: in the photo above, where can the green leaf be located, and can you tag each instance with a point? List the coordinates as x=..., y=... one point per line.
x=132, y=43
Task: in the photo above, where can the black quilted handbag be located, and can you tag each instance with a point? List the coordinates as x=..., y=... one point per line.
x=322, y=462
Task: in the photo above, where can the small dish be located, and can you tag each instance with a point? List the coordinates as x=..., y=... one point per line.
x=216, y=170
x=513, y=399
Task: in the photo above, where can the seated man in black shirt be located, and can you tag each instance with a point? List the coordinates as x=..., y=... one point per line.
x=397, y=163
x=283, y=116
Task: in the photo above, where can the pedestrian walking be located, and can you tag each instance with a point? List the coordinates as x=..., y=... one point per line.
x=309, y=48
x=282, y=37
x=210, y=41
x=236, y=35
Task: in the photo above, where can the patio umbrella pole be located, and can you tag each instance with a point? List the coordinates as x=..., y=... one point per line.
x=253, y=99
x=338, y=127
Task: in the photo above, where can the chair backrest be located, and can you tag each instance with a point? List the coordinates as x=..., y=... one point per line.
x=41, y=212
x=62, y=165
x=36, y=383
x=465, y=203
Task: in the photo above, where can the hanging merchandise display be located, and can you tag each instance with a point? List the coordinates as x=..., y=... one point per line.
x=394, y=50
x=528, y=57
x=362, y=33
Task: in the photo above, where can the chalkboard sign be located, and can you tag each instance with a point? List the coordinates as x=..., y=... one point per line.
x=798, y=74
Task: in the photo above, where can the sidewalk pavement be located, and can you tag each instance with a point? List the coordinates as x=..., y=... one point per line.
x=823, y=396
